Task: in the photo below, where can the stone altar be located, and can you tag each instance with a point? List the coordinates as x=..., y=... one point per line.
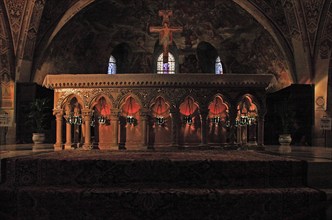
x=140, y=111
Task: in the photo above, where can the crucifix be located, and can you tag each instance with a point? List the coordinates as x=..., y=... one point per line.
x=165, y=32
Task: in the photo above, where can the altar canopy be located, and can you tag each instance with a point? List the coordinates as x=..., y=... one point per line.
x=140, y=111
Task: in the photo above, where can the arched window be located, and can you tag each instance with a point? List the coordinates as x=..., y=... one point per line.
x=219, y=69
x=111, y=65
x=166, y=68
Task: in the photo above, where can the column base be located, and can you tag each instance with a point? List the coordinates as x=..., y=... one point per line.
x=42, y=147
x=122, y=146
x=285, y=149
x=68, y=147
x=252, y=144
x=175, y=145
x=87, y=147
x=143, y=146
x=108, y=146
x=57, y=147
x=260, y=147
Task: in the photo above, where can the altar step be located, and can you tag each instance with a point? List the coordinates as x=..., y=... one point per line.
x=157, y=185
x=221, y=169
x=160, y=203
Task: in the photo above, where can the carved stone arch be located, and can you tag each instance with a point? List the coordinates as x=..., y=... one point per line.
x=279, y=38
x=123, y=99
x=167, y=95
x=324, y=35
x=253, y=100
x=194, y=102
x=181, y=97
x=207, y=55
x=168, y=106
x=28, y=39
x=76, y=8
x=224, y=98
x=7, y=54
x=122, y=54
x=154, y=99
x=65, y=101
x=94, y=100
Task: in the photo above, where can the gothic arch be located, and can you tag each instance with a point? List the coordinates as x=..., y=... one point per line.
x=122, y=54
x=324, y=35
x=67, y=16
x=7, y=64
x=123, y=99
x=225, y=99
x=154, y=102
x=253, y=100
x=195, y=103
x=96, y=99
x=207, y=55
x=278, y=37
x=68, y=99
x=28, y=39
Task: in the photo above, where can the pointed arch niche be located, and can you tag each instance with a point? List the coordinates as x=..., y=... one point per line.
x=130, y=126
x=160, y=130
x=191, y=123
x=75, y=129
x=102, y=131
x=219, y=121
x=246, y=121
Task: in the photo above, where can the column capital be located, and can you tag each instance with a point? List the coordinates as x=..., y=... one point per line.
x=57, y=112
x=115, y=111
x=144, y=113
x=86, y=112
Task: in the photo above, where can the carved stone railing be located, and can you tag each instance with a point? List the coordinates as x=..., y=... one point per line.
x=156, y=80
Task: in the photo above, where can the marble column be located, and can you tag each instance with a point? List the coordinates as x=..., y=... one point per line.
x=68, y=143
x=252, y=135
x=175, y=127
x=233, y=129
x=144, y=116
x=260, y=138
x=244, y=135
x=87, y=120
x=58, y=115
x=115, y=128
x=204, y=115
x=239, y=135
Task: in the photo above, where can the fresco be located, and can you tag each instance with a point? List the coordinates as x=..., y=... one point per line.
x=87, y=41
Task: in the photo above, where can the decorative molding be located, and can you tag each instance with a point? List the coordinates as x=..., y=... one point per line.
x=312, y=11
x=16, y=11
x=32, y=30
x=156, y=80
x=326, y=38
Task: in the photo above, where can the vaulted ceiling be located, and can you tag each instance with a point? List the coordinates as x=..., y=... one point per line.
x=287, y=38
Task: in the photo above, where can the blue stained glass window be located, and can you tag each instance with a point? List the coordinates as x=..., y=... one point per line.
x=112, y=66
x=218, y=66
x=166, y=68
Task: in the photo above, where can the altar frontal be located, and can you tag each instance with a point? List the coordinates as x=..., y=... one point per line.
x=141, y=111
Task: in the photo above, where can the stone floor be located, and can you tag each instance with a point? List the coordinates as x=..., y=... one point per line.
x=319, y=162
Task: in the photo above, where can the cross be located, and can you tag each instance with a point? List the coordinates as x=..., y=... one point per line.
x=165, y=14
x=165, y=32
